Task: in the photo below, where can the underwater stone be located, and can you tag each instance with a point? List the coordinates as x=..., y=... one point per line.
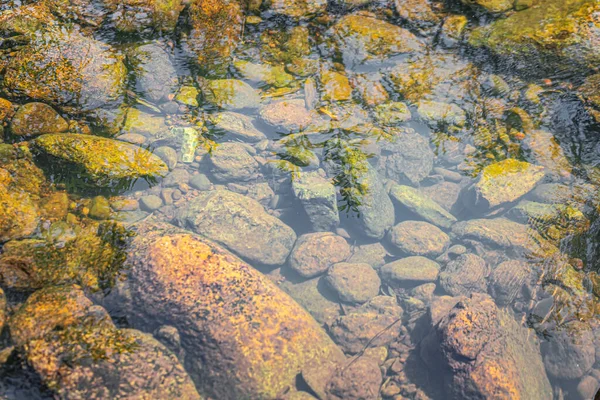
x=232, y=162
x=421, y=205
x=406, y=157
x=492, y=6
x=376, y=208
x=230, y=94
x=103, y=160
x=410, y=271
x=239, y=223
x=314, y=253
x=258, y=339
x=298, y=8
x=465, y=275
x=155, y=74
x=416, y=238
x=237, y=125
x=502, y=182
x=353, y=283
x=318, y=198
x=33, y=119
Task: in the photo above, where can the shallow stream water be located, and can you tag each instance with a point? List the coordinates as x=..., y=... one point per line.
x=299, y=199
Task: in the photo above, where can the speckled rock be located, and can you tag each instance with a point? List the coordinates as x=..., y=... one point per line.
x=335, y=86
x=103, y=161
x=238, y=126
x=376, y=211
x=19, y=214
x=465, y=275
x=419, y=204
x=354, y=330
x=410, y=271
x=240, y=224
x=258, y=339
x=318, y=197
x=359, y=38
x=446, y=194
x=437, y=114
x=392, y=113
x=314, y=253
x=232, y=162
x=359, y=379
x=373, y=254
x=155, y=74
x=33, y=119
x=230, y=94
x=416, y=238
x=407, y=158
x=287, y=116
x=492, y=6
x=487, y=353
x=65, y=67
x=3, y=316
x=298, y=8
x=353, y=283
x=418, y=13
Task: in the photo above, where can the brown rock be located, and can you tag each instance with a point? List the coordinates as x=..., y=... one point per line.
x=359, y=379
x=314, y=253
x=353, y=283
x=258, y=338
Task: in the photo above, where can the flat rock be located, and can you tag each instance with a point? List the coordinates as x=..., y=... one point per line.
x=238, y=126
x=410, y=271
x=155, y=74
x=416, y=238
x=376, y=209
x=34, y=119
x=287, y=116
x=407, y=158
x=232, y=162
x=239, y=223
x=231, y=94
x=421, y=205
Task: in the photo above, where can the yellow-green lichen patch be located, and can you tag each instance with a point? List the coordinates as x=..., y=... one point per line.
x=104, y=161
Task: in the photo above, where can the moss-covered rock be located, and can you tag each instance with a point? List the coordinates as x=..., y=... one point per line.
x=155, y=74
x=230, y=94
x=33, y=119
x=135, y=16
x=362, y=37
x=555, y=35
x=335, y=86
x=492, y=6
x=79, y=353
x=216, y=30
x=19, y=215
x=258, y=338
x=62, y=67
x=103, y=161
x=90, y=255
x=416, y=202
x=298, y=8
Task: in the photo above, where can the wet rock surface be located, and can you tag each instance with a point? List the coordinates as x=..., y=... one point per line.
x=314, y=253
x=174, y=269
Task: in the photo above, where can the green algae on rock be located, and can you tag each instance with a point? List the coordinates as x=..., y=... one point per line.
x=421, y=205
x=33, y=119
x=79, y=353
x=555, y=35
x=68, y=68
x=258, y=338
x=503, y=182
x=363, y=37
x=104, y=161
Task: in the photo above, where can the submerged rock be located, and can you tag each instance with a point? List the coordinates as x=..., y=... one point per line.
x=240, y=224
x=571, y=353
x=103, y=161
x=311, y=295
x=416, y=238
x=358, y=379
x=216, y=30
x=19, y=214
x=230, y=94
x=407, y=158
x=367, y=324
x=314, y=253
x=359, y=38
x=421, y=205
x=554, y=35
x=376, y=209
x=502, y=182
x=79, y=353
x=134, y=16
x=492, y=6
x=155, y=74
x=68, y=68
x=33, y=119
x=318, y=197
x=487, y=352
x=298, y=8
x=410, y=271
x=465, y=275
x=232, y=162
x=258, y=338
x=237, y=125
x=287, y=116
x=353, y=283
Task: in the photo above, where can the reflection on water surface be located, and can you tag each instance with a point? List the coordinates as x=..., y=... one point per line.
x=294, y=199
